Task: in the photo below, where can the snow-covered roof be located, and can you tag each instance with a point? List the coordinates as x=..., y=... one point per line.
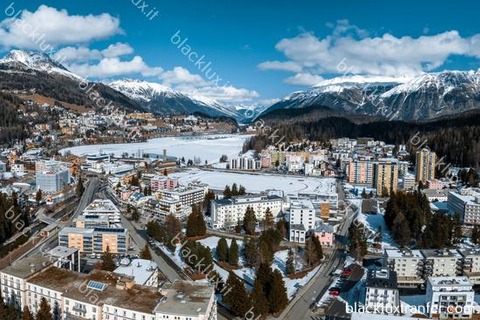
x=140, y=269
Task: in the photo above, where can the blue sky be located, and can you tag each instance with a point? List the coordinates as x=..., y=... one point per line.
x=261, y=50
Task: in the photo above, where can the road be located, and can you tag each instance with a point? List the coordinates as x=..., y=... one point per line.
x=51, y=241
x=299, y=307
x=170, y=273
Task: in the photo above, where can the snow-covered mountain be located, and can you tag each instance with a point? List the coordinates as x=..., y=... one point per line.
x=163, y=99
x=424, y=97
x=18, y=60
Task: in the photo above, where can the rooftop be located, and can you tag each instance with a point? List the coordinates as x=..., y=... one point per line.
x=26, y=267
x=185, y=298
x=403, y=253
x=435, y=253
x=71, y=284
x=382, y=278
x=140, y=269
x=62, y=252
x=450, y=281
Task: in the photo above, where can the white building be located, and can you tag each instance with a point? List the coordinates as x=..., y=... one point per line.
x=301, y=219
x=442, y=263
x=450, y=297
x=227, y=212
x=104, y=295
x=408, y=265
x=52, y=177
x=382, y=292
x=144, y=272
x=245, y=163
x=103, y=207
x=471, y=264
x=188, y=195
x=467, y=203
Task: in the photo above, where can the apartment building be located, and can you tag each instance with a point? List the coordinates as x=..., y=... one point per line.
x=301, y=218
x=92, y=221
x=440, y=263
x=103, y=207
x=467, y=203
x=163, y=182
x=382, y=294
x=189, y=195
x=95, y=240
x=227, y=212
x=245, y=163
x=407, y=264
x=450, y=297
x=360, y=171
x=53, y=178
x=471, y=264
x=105, y=295
x=162, y=208
x=385, y=178
x=425, y=165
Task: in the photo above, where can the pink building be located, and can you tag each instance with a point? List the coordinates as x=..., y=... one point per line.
x=434, y=184
x=266, y=160
x=325, y=234
x=125, y=194
x=162, y=183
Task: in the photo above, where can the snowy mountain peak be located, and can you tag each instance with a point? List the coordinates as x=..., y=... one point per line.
x=141, y=90
x=37, y=61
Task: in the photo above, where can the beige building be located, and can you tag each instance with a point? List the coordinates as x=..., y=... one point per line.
x=385, y=178
x=408, y=264
x=425, y=165
x=96, y=239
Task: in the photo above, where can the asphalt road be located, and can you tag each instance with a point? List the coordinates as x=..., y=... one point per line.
x=299, y=307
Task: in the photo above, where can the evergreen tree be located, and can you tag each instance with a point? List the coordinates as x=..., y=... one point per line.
x=290, y=264
x=237, y=297
x=282, y=227
x=249, y=221
x=251, y=251
x=261, y=306
x=196, y=225
x=156, y=231
x=108, y=264
x=241, y=190
x=38, y=196
x=233, y=253
x=135, y=215
x=278, y=293
x=234, y=189
x=44, y=312
x=313, y=251
x=27, y=315
x=227, y=193
x=145, y=253
x=266, y=253
x=222, y=250
x=457, y=228
x=269, y=220
x=80, y=186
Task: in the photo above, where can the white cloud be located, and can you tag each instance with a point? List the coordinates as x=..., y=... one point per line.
x=111, y=67
x=350, y=50
x=69, y=54
x=118, y=49
x=48, y=27
x=304, y=79
x=280, y=65
x=181, y=76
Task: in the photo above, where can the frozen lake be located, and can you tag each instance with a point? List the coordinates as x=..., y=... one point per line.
x=209, y=148
x=257, y=183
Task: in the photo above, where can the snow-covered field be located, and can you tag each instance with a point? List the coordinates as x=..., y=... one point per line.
x=209, y=148
x=372, y=222
x=256, y=183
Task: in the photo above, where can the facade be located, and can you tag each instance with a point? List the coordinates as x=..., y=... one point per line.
x=245, y=163
x=434, y=184
x=227, y=212
x=425, y=165
x=104, y=295
x=360, y=171
x=301, y=220
x=408, y=265
x=436, y=195
x=467, y=203
x=188, y=195
x=53, y=179
x=385, y=178
x=450, y=297
x=471, y=264
x=162, y=182
x=324, y=233
x=440, y=263
x=95, y=240
x=161, y=209
x=381, y=291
